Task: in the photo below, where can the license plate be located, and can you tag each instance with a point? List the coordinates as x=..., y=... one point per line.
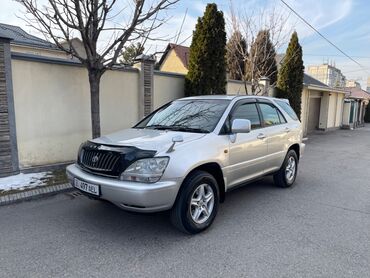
x=87, y=187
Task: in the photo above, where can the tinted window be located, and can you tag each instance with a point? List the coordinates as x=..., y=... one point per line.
x=187, y=115
x=288, y=109
x=281, y=117
x=247, y=111
x=270, y=114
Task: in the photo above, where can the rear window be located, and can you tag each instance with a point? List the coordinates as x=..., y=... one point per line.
x=288, y=109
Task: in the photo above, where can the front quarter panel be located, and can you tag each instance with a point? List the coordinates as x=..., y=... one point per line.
x=186, y=157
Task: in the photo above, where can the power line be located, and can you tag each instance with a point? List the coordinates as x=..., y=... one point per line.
x=182, y=24
x=185, y=39
x=345, y=72
x=335, y=55
x=321, y=35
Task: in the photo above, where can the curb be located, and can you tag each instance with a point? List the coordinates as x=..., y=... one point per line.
x=34, y=194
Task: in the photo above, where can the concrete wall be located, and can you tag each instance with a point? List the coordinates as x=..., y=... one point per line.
x=332, y=107
x=304, y=109
x=340, y=101
x=119, y=100
x=235, y=87
x=167, y=87
x=52, y=106
x=39, y=51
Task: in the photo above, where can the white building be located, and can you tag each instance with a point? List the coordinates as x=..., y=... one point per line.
x=353, y=84
x=328, y=74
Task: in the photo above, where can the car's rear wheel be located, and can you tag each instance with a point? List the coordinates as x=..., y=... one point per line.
x=197, y=203
x=287, y=174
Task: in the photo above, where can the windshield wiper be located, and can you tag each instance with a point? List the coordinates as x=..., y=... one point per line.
x=160, y=127
x=178, y=128
x=188, y=129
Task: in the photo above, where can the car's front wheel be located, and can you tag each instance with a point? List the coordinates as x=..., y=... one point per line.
x=197, y=204
x=287, y=174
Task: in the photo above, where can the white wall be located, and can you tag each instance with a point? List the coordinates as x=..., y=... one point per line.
x=167, y=87
x=119, y=100
x=235, y=87
x=52, y=106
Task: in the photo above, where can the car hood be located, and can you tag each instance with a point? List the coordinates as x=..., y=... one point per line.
x=147, y=139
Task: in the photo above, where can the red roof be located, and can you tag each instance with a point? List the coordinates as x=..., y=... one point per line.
x=355, y=92
x=181, y=51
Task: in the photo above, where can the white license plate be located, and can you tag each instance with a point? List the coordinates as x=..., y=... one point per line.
x=87, y=187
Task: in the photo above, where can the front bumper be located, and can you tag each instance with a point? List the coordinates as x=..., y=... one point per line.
x=302, y=149
x=133, y=196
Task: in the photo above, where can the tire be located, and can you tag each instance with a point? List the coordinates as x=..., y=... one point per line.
x=189, y=213
x=283, y=178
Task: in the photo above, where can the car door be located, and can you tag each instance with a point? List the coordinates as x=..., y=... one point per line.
x=276, y=129
x=247, y=151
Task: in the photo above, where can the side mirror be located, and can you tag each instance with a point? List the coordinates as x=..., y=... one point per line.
x=241, y=126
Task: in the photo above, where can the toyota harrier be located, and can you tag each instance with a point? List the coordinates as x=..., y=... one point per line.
x=188, y=153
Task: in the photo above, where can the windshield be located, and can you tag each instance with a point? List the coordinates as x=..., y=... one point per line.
x=187, y=115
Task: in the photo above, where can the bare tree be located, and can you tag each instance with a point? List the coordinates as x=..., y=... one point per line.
x=119, y=22
x=249, y=24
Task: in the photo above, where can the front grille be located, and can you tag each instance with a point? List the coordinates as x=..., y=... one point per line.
x=107, y=160
x=99, y=160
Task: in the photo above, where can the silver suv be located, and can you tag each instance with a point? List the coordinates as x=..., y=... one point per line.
x=187, y=154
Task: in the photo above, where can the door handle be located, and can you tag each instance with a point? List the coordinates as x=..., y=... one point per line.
x=261, y=136
x=287, y=129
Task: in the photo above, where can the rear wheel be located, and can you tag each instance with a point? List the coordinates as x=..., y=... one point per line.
x=197, y=204
x=287, y=174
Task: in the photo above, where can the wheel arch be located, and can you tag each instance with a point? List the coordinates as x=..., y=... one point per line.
x=296, y=148
x=215, y=170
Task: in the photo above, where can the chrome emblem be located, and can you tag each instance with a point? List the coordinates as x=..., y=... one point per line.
x=95, y=159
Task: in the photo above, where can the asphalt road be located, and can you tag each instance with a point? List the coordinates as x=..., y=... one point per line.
x=319, y=228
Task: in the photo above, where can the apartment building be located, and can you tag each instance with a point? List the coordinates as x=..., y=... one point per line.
x=328, y=74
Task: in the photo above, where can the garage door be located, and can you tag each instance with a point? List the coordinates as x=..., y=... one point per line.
x=313, y=114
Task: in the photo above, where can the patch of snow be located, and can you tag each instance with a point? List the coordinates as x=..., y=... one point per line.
x=23, y=181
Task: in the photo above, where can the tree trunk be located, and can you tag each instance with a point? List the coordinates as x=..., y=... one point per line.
x=94, y=79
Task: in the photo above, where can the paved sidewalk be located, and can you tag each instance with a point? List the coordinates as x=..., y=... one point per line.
x=35, y=193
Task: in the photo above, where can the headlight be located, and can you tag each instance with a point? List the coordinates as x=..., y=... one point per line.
x=145, y=170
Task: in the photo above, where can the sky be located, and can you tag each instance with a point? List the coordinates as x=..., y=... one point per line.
x=346, y=23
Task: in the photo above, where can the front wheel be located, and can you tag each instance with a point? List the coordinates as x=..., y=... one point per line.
x=197, y=204
x=287, y=174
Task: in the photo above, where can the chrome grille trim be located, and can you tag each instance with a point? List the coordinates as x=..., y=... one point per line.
x=99, y=160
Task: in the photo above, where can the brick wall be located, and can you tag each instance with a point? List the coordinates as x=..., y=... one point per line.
x=5, y=150
x=7, y=161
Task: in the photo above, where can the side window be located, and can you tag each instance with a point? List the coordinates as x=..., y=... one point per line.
x=247, y=111
x=281, y=117
x=288, y=109
x=271, y=116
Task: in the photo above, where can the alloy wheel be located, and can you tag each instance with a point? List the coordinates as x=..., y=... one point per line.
x=202, y=203
x=290, y=169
